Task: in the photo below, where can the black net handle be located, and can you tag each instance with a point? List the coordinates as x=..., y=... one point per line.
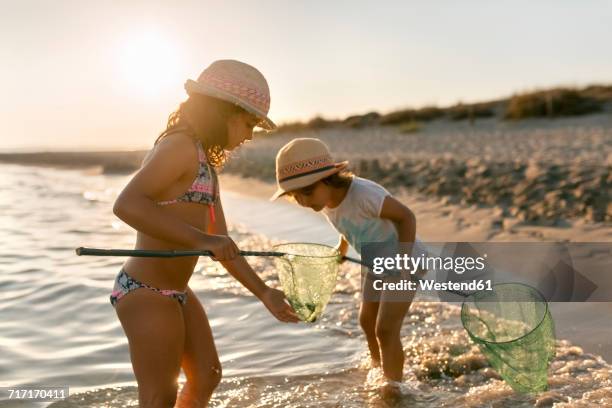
x=172, y=253
x=196, y=252
x=163, y=253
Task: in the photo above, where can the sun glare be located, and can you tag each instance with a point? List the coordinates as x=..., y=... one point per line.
x=149, y=63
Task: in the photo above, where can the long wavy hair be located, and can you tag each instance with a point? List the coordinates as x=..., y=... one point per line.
x=205, y=118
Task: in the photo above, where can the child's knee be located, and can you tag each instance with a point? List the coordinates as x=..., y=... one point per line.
x=208, y=379
x=387, y=332
x=198, y=389
x=158, y=397
x=216, y=374
x=367, y=322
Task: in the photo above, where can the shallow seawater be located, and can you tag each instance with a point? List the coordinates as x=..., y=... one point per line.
x=58, y=328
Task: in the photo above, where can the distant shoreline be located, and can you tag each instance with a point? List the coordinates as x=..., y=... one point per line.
x=541, y=172
x=111, y=162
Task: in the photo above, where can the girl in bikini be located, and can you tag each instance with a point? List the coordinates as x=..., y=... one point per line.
x=173, y=203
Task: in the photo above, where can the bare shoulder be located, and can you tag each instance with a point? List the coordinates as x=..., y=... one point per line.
x=173, y=158
x=394, y=209
x=175, y=146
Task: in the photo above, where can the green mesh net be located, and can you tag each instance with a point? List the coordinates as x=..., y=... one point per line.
x=513, y=328
x=308, y=276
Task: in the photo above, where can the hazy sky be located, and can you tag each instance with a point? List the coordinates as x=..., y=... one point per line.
x=106, y=74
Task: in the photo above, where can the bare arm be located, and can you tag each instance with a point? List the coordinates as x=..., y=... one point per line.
x=240, y=269
x=401, y=216
x=342, y=247
x=136, y=203
x=405, y=223
x=237, y=267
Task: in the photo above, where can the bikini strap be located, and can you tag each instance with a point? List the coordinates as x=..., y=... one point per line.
x=203, y=159
x=201, y=153
x=211, y=169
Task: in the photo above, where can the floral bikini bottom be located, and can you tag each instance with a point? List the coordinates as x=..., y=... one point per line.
x=125, y=284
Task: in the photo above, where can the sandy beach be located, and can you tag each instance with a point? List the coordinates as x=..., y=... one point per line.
x=439, y=220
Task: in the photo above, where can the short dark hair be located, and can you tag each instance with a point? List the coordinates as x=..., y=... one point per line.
x=339, y=180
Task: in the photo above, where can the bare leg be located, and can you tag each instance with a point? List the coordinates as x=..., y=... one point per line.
x=367, y=319
x=368, y=312
x=154, y=327
x=388, y=327
x=200, y=360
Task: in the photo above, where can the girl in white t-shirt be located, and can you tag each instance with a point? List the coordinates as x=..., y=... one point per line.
x=361, y=211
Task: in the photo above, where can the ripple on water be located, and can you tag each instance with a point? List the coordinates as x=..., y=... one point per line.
x=444, y=368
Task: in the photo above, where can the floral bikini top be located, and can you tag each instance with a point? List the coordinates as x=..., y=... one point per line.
x=205, y=187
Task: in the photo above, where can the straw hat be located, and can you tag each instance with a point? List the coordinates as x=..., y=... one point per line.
x=235, y=82
x=303, y=162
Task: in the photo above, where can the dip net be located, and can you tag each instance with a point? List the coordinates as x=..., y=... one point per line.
x=307, y=273
x=513, y=328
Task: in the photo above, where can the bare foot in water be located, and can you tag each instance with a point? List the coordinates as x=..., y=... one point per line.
x=391, y=391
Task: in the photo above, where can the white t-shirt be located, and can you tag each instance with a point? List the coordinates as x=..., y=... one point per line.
x=358, y=215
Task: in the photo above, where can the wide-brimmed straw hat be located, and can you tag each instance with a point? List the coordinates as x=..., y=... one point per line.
x=303, y=162
x=235, y=82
